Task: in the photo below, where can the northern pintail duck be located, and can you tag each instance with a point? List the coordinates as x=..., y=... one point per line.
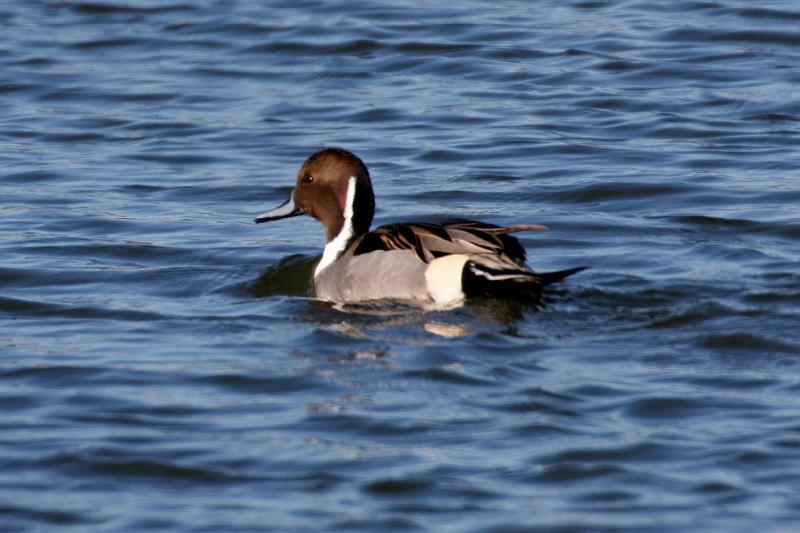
x=421, y=262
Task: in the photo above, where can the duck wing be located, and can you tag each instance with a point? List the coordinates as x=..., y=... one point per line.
x=430, y=240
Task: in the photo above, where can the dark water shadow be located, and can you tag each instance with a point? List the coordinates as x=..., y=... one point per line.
x=291, y=276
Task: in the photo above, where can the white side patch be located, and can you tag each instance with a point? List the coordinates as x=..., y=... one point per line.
x=334, y=248
x=443, y=277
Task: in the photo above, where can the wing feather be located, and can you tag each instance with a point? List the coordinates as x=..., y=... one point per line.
x=428, y=240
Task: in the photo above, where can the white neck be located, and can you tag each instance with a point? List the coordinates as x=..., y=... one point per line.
x=338, y=244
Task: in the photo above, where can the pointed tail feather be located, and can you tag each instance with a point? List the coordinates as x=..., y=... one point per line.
x=479, y=279
x=554, y=277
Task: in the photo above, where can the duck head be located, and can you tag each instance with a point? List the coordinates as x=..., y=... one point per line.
x=333, y=186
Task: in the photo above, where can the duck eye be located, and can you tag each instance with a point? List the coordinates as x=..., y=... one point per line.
x=308, y=180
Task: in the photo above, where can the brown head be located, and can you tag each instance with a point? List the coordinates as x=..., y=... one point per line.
x=332, y=186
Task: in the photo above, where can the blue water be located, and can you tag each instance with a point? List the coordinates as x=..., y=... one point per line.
x=164, y=365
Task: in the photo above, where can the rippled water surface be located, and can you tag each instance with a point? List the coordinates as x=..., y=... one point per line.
x=164, y=365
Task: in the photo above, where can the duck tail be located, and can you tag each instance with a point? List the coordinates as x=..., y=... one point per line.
x=554, y=277
x=480, y=280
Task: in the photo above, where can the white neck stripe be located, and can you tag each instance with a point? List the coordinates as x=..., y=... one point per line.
x=334, y=248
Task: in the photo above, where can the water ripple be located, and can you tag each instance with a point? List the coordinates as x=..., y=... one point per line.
x=163, y=364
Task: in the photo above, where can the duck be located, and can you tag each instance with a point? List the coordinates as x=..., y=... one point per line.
x=437, y=264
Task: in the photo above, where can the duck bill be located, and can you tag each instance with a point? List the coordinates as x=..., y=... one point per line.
x=289, y=209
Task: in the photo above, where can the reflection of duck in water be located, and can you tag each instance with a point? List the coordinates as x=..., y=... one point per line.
x=419, y=262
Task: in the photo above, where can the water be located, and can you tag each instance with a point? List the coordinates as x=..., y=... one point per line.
x=164, y=366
